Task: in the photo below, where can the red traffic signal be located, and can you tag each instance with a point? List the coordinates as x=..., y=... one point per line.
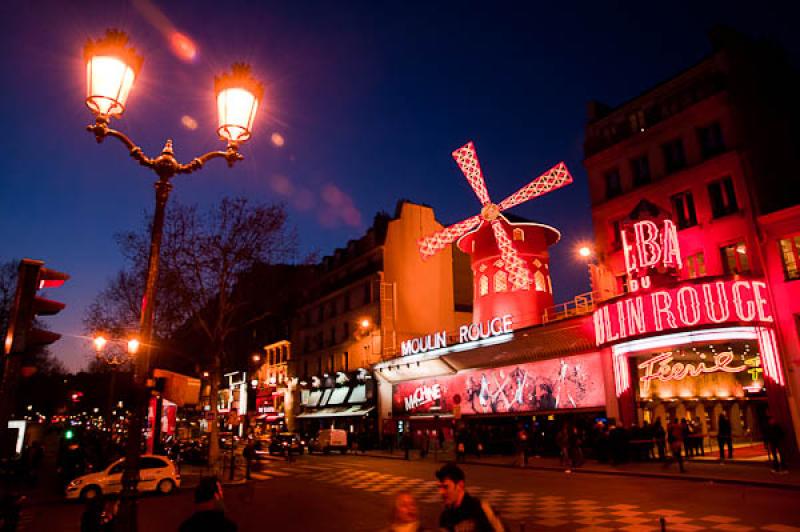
x=21, y=334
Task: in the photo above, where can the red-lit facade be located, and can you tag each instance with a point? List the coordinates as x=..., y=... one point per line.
x=714, y=328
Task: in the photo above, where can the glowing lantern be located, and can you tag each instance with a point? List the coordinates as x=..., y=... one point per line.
x=238, y=94
x=111, y=68
x=100, y=343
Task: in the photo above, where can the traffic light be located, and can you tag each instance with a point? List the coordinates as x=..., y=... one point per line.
x=21, y=335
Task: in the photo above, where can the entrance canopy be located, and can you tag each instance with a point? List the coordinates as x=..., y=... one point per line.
x=345, y=411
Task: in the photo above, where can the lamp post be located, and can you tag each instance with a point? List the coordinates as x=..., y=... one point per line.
x=113, y=357
x=111, y=69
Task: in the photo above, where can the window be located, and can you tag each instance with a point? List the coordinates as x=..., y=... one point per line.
x=483, y=285
x=734, y=258
x=320, y=315
x=319, y=340
x=791, y=259
x=613, y=183
x=616, y=237
x=539, y=281
x=333, y=335
x=346, y=330
x=696, y=265
x=641, y=171
x=305, y=369
x=330, y=364
x=636, y=121
x=711, y=142
x=270, y=359
x=519, y=234
x=346, y=361
x=674, y=157
x=319, y=366
x=117, y=469
x=722, y=197
x=347, y=301
x=683, y=209
x=500, y=281
x=367, y=294
x=149, y=462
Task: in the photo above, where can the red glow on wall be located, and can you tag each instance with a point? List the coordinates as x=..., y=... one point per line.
x=683, y=307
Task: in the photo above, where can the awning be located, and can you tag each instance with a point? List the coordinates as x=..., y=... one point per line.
x=347, y=411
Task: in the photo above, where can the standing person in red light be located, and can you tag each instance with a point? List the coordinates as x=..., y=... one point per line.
x=675, y=437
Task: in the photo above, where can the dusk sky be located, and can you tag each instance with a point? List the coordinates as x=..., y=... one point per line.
x=364, y=104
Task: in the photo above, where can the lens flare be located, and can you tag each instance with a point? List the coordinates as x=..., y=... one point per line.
x=189, y=122
x=182, y=46
x=277, y=140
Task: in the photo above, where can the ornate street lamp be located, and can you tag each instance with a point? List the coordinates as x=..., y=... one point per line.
x=111, y=69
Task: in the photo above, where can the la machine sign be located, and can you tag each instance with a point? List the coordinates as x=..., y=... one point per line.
x=472, y=332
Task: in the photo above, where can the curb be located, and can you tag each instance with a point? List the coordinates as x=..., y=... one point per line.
x=622, y=473
x=662, y=476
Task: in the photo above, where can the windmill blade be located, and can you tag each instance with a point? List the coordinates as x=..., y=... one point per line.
x=557, y=177
x=430, y=245
x=518, y=274
x=467, y=159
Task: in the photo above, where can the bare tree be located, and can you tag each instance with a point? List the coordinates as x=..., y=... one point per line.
x=203, y=256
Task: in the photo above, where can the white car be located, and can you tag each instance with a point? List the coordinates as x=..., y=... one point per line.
x=156, y=473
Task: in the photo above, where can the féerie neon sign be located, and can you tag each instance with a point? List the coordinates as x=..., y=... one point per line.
x=663, y=368
x=649, y=247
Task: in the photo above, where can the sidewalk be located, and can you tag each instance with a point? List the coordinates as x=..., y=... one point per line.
x=748, y=474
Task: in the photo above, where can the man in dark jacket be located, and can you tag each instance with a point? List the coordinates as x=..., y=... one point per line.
x=209, y=513
x=462, y=511
x=724, y=437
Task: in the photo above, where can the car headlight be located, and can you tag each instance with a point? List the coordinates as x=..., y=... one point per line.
x=76, y=482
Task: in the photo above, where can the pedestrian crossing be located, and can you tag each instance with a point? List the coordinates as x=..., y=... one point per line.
x=543, y=512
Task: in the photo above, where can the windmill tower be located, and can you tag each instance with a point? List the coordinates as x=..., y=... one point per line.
x=510, y=262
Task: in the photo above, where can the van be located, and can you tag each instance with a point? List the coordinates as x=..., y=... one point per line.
x=328, y=440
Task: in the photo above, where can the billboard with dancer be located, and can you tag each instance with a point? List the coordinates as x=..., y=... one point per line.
x=556, y=384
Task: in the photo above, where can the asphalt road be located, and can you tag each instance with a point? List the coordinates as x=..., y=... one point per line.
x=353, y=493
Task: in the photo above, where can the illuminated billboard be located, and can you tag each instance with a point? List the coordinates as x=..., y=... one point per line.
x=547, y=385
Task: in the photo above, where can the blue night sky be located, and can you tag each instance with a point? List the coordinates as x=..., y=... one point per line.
x=369, y=98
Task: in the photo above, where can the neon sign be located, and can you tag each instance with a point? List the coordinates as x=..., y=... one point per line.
x=466, y=333
x=649, y=247
x=663, y=368
x=737, y=301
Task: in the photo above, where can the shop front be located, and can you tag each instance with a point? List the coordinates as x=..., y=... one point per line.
x=346, y=402
x=538, y=378
x=703, y=350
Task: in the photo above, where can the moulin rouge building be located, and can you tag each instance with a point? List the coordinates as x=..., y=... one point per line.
x=697, y=237
x=695, y=307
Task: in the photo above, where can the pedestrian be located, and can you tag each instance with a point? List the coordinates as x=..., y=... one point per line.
x=660, y=436
x=522, y=448
x=426, y=444
x=462, y=511
x=574, y=447
x=687, y=441
x=562, y=440
x=675, y=438
x=405, y=517
x=209, y=514
x=249, y=453
x=405, y=442
x=724, y=436
x=773, y=437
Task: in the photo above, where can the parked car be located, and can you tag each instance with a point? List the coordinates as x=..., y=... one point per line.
x=157, y=473
x=286, y=441
x=329, y=440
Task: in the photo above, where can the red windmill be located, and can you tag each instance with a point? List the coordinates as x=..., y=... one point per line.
x=467, y=160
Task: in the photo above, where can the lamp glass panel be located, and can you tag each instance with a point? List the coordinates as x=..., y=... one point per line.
x=237, y=109
x=108, y=81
